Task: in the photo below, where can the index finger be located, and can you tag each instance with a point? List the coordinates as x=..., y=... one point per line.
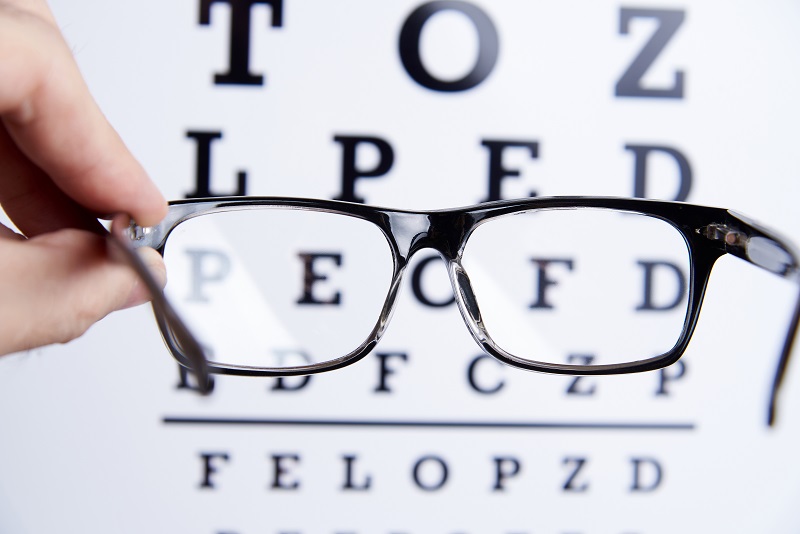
x=49, y=112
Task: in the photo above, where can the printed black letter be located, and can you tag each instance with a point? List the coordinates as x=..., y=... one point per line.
x=208, y=266
x=348, y=476
x=543, y=281
x=674, y=372
x=185, y=378
x=209, y=468
x=239, y=53
x=574, y=386
x=488, y=46
x=432, y=486
x=385, y=370
x=416, y=285
x=650, y=268
x=641, y=153
x=471, y=375
x=286, y=358
x=502, y=473
x=497, y=172
x=311, y=277
x=203, y=170
x=569, y=485
x=281, y=470
x=350, y=170
x=654, y=478
x=630, y=84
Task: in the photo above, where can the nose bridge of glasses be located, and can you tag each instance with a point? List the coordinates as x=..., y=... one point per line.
x=441, y=231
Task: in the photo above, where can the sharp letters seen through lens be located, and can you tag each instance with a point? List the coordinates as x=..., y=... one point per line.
x=550, y=283
x=279, y=287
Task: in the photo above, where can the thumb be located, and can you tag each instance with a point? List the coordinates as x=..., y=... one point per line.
x=56, y=285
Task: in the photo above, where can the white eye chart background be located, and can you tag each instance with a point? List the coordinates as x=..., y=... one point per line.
x=95, y=436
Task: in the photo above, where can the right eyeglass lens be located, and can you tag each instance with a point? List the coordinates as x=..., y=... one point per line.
x=275, y=287
x=554, y=286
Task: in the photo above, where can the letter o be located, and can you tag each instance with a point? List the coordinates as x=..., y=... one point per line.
x=442, y=477
x=416, y=285
x=488, y=46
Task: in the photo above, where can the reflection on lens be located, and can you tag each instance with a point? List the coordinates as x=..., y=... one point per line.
x=556, y=283
x=274, y=287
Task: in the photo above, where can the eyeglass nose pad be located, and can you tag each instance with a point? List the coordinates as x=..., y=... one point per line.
x=467, y=304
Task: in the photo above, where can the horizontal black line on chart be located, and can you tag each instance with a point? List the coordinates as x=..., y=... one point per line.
x=376, y=423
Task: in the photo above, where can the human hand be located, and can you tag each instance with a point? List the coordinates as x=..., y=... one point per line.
x=61, y=164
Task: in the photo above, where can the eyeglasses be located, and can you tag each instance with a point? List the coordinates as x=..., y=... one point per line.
x=282, y=286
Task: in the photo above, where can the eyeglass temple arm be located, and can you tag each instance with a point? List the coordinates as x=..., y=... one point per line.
x=164, y=311
x=746, y=239
x=783, y=364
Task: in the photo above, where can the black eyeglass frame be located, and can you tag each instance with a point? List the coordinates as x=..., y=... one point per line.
x=709, y=233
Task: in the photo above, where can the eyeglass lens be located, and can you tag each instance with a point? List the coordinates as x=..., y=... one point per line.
x=550, y=283
x=278, y=287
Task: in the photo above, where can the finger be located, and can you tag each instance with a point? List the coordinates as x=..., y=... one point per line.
x=31, y=200
x=38, y=8
x=8, y=233
x=155, y=265
x=57, y=285
x=50, y=114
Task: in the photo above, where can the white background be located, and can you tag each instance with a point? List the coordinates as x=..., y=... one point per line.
x=82, y=444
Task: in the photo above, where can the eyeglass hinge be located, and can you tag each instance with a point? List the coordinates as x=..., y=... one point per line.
x=731, y=237
x=137, y=233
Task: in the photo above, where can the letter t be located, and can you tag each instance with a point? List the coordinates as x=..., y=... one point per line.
x=239, y=62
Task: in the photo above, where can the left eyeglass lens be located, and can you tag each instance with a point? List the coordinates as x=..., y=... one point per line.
x=275, y=287
x=555, y=284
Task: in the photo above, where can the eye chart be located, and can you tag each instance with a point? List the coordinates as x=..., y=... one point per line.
x=425, y=105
